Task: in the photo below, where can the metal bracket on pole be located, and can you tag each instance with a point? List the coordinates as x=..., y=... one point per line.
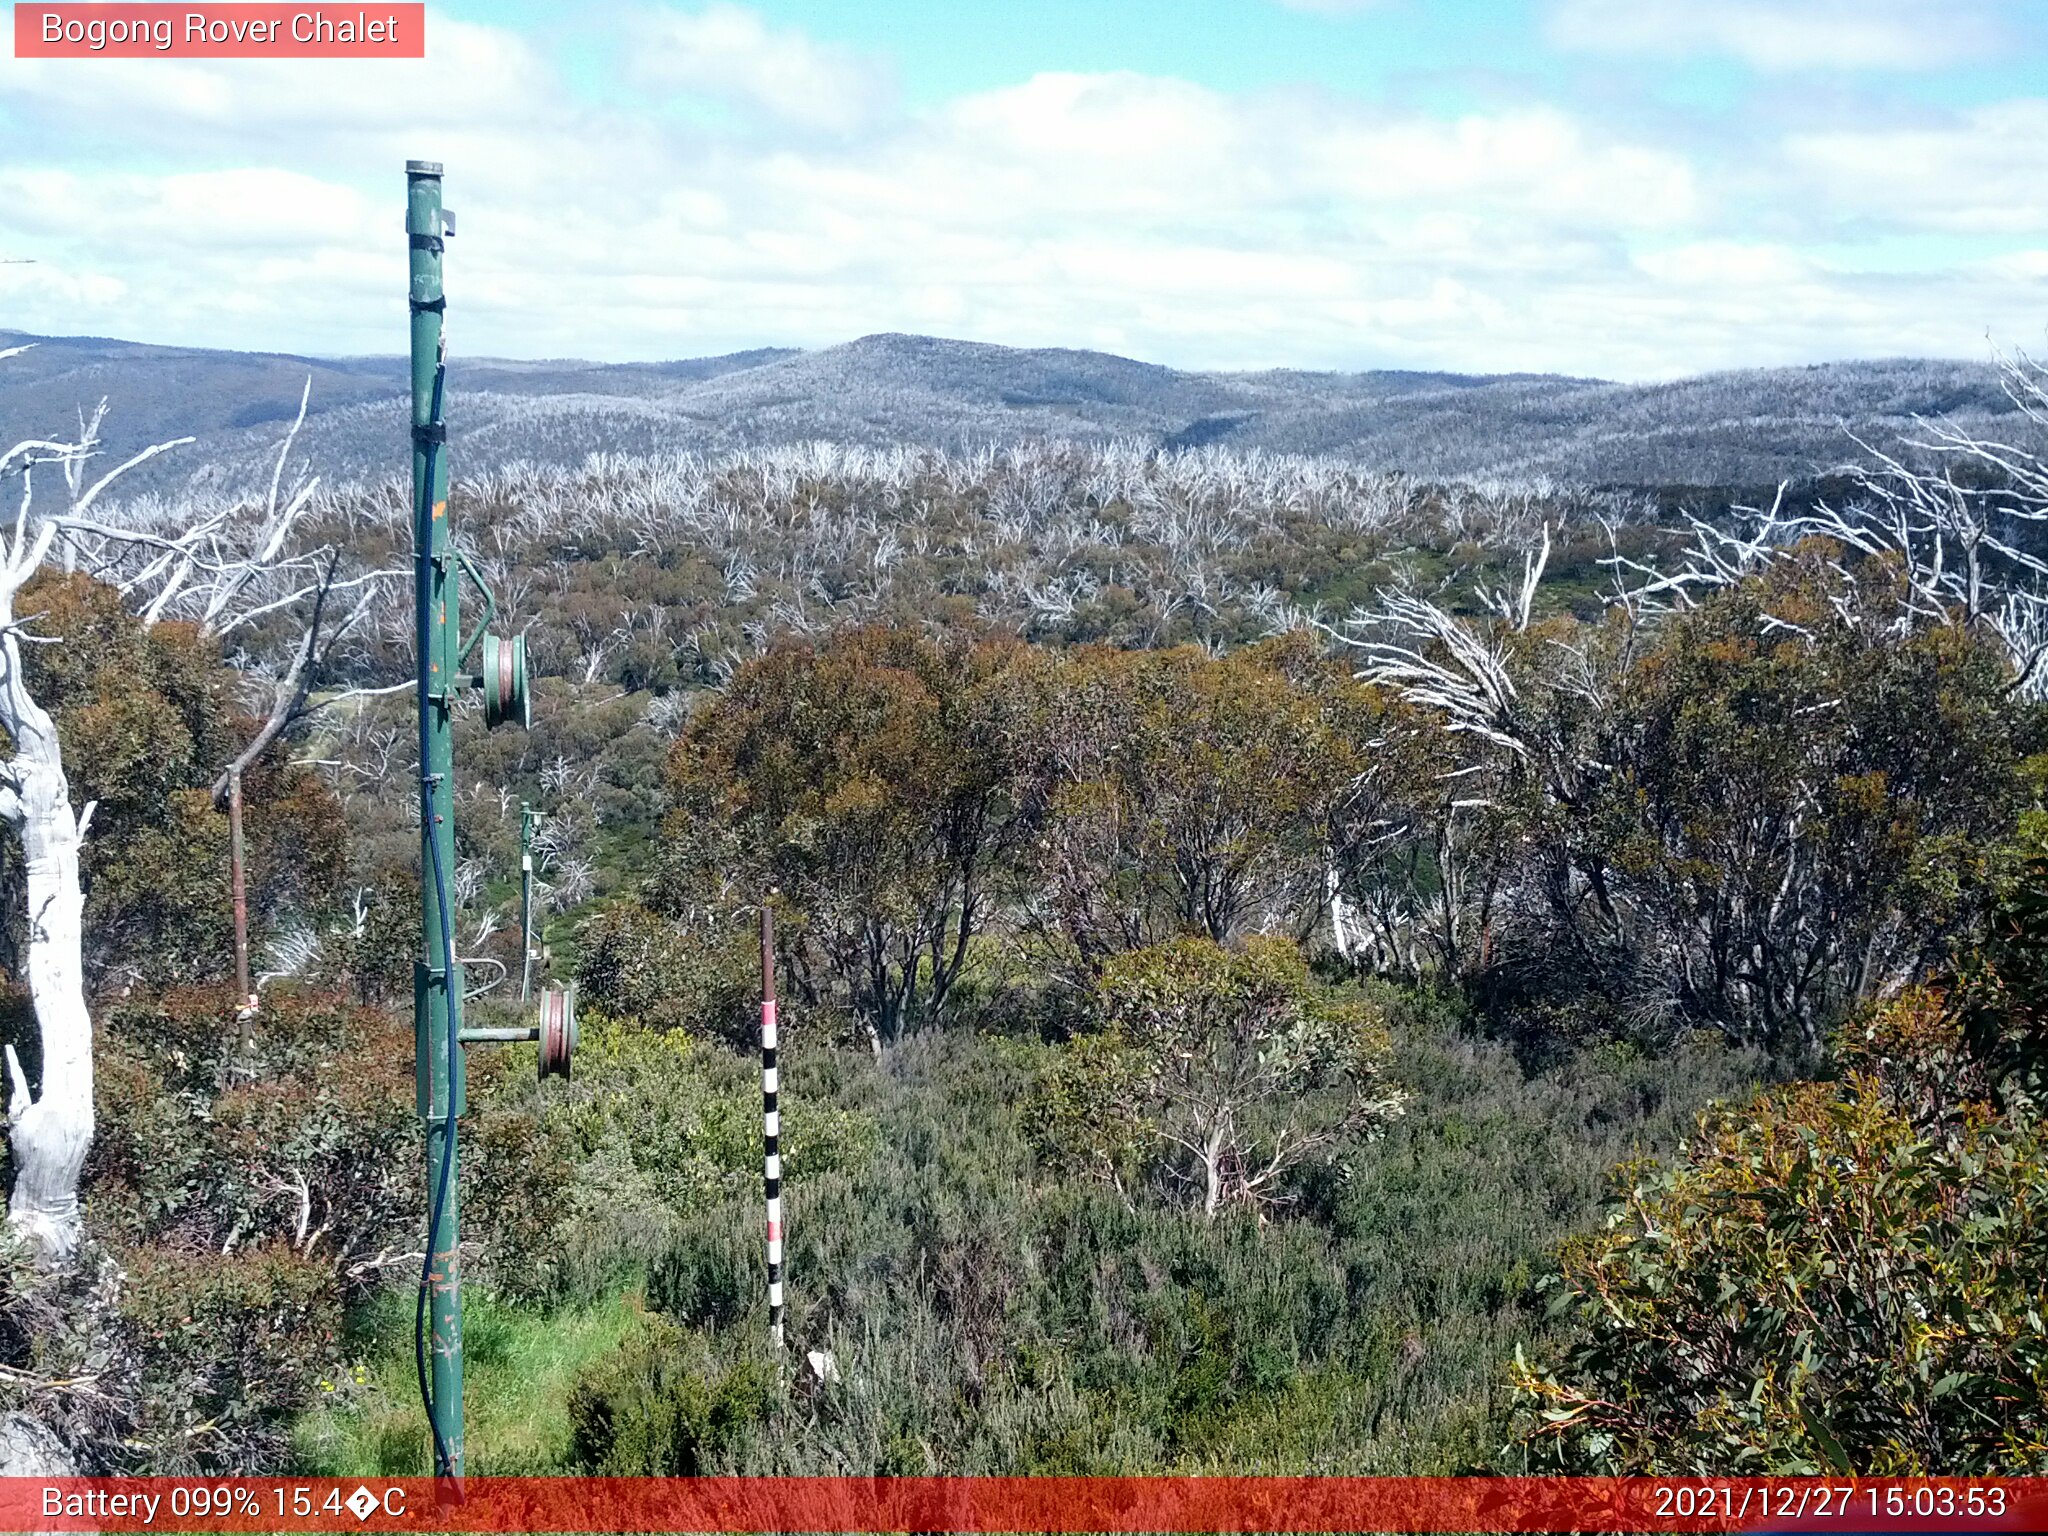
x=476, y=576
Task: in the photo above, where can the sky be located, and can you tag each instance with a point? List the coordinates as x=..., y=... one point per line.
x=1632, y=189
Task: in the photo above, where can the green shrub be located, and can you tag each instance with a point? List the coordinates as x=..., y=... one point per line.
x=307, y=1137
x=229, y=1347
x=237, y=1197
x=988, y=1312
x=581, y=1184
x=640, y=965
x=714, y=1271
x=1836, y=1278
x=660, y=1408
x=521, y=1169
x=1224, y=1074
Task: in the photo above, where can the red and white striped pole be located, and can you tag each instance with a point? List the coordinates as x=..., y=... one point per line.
x=771, y=1123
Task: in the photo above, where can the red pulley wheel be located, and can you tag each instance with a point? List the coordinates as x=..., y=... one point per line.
x=557, y=1029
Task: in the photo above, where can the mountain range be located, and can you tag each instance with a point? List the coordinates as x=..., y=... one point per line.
x=1735, y=429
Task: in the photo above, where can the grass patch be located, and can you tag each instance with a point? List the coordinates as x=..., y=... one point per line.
x=520, y=1364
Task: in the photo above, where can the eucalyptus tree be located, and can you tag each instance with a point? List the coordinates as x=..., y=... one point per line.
x=1174, y=793
x=864, y=776
x=222, y=569
x=1216, y=1074
x=1772, y=779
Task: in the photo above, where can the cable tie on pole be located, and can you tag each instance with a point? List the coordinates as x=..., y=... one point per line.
x=431, y=432
x=424, y=242
x=426, y=306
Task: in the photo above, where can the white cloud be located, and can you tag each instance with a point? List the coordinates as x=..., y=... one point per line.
x=252, y=209
x=472, y=75
x=732, y=53
x=1728, y=265
x=1148, y=215
x=2020, y=266
x=1537, y=161
x=1979, y=172
x=1784, y=34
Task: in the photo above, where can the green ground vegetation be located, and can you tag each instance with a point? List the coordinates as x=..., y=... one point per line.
x=1206, y=1047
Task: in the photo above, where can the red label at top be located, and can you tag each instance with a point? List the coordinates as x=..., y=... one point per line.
x=216, y=31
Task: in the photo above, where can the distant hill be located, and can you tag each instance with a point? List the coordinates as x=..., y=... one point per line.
x=1742, y=428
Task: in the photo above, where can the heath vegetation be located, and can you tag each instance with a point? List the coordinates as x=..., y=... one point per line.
x=1284, y=969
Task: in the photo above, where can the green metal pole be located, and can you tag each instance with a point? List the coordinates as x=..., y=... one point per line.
x=437, y=989
x=525, y=899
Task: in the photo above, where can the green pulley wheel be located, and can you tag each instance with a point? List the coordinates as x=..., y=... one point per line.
x=504, y=682
x=557, y=1029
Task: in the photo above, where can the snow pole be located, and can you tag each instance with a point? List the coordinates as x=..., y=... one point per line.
x=526, y=944
x=771, y=1123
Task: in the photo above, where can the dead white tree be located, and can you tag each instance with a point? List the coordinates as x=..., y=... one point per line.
x=1950, y=530
x=49, y=1132
x=232, y=573
x=1427, y=880
x=225, y=570
x=1963, y=517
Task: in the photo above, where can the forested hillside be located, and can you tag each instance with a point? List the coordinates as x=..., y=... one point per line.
x=1240, y=914
x=1730, y=431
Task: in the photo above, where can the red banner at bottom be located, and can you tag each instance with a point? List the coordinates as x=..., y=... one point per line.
x=748, y=1504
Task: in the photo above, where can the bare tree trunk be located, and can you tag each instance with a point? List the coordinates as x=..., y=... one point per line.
x=1212, y=1173
x=1333, y=889
x=49, y=1133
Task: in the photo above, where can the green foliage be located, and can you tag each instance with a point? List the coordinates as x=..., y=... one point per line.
x=2003, y=994
x=1752, y=814
x=374, y=956
x=660, y=1408
x=1836, y=1278
x=1082, y=1110
x=1780, y=806
x=520, y=1365
x=911, y=796
x=712, y=1272
x=142, y=710
x=986, y=1312
x=517, y=1203
x=1232, y=1069
x=588, y=1180
x=1178, y=793
x=944, y=811
x=863, y=777
x=229, y=1346
x=238, y=1197
x=308, y=1137
x=147, y=721
x=637, y=964
x=1840, y=1276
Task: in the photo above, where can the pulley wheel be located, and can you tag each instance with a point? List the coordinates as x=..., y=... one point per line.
x=557, y=1029
x=504, y=681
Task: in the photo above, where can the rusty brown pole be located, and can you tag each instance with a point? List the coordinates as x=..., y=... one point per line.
x=245, y=1000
